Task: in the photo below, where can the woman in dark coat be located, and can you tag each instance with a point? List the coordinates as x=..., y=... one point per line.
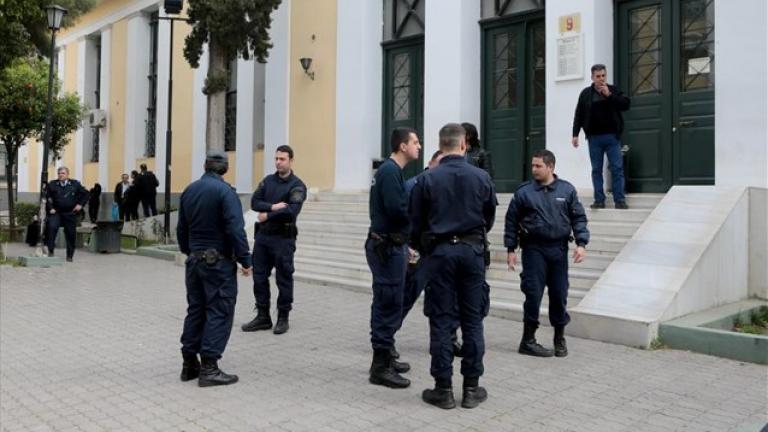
x=476, y=155
x=94, y=201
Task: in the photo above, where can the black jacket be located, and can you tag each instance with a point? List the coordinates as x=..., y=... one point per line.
x=545, y=214
x=64, y=198
x=274, y=189
x=147, y=184
x=582, y=116
x=119, y=198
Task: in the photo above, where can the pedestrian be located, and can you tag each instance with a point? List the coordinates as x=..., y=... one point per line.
x=476, y=154
x=147, y=186
x=387, y=253
x=120, y=195
x=65, y=198
x=452, y=208
x=278, y=200
x=94, y=201
x=598, y=112
x=132, y=198
x=211, y=232
x=541, y=217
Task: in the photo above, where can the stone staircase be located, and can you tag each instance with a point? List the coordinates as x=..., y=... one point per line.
x=333, y=228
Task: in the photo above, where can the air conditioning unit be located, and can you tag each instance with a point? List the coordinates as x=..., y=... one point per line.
x=97, y=118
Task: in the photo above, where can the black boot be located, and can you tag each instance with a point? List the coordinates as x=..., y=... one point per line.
x=400, y=367
x=473, y=395
x=281, y=326
x=262, y=321
x=529, y=346
x=211, y=375
x=382, y=372
x=395, y=354
x=441, y=396
x=191, y=367
x=561, y=349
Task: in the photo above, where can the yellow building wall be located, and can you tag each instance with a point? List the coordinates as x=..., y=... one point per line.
x=183, y=106
x=70, y=86
x=90, y=175
x=258, y=168
x=116, y=108
x=34, y=168
x=99, y=11
x=231, y=174
x=312, y=121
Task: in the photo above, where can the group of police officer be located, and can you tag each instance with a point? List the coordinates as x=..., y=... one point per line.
x=436, y=223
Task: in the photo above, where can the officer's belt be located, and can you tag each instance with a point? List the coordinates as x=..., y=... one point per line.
x=286, y=229
x=467, y=238
x=210, y=256
x=394, y=239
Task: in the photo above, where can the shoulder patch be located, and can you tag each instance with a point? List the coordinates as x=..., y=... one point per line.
x=297, y=195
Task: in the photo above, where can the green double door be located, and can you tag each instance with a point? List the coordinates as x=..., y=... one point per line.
x=665, y=59
x=513, y=97
x=404, y=93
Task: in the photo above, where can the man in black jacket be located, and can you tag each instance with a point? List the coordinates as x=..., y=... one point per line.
x=598, y=112
x=65, y=198
x=121, y=194
x=541, y=217
x=147, y=186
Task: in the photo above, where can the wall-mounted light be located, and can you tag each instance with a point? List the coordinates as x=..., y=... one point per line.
x=306, y=63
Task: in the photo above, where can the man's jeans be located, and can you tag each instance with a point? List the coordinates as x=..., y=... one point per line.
x=610, y=145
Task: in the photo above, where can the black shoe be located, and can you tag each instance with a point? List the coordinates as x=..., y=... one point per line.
x=282, y=323
x=597, y=205
x=528, y=344
x=457, y=350
x=50, y=254
x=69, y=259
x=400, y=367
x=561, y=349
x=382, y=372
x=439, y=397
x=621, y=205
x=262, y=321
x=191, y=367
x=473, y=396
x=395, y=354
x=211, y=375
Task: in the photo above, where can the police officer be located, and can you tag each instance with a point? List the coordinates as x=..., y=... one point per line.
x=211, y=233
x=452, y=208
x=65, y=199
x=386, y=251
x=540, y=219
x=278, y=199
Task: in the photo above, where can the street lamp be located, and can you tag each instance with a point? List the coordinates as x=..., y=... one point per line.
x=55, y=16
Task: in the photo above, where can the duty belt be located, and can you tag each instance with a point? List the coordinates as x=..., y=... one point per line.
x=284, y=229
x=210, y=256
x=472, y=239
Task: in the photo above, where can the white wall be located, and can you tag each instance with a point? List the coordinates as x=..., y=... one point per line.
x=358, y=91
x=741, y=93
x=597, y=45
x=77, y=170
x=277, y=87
x=163, y=64
x=451, y=67
x=244, y=124
x=106, y=79
x=200, y=117
x=138, y=54
x=758, y=243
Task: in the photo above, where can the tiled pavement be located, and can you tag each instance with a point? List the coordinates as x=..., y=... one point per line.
x=93, y=346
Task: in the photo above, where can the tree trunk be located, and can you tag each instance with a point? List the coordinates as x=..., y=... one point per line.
x=9, y=154
x=217, y=101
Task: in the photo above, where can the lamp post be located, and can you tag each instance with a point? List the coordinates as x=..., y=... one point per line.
x=55, y=16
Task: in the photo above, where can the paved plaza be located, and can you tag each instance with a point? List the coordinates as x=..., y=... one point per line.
x=94, y=346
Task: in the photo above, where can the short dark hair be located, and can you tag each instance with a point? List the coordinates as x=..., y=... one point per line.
x=400, y=135
x=450, y=135
x=285, y=149
x=436, y=154
x=597, y=67
x=547, y=156
x=473, y=137
x=216, y=161
x=143, y=167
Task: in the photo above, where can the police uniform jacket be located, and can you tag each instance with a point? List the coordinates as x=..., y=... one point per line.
x=274, y=189
x=64, y=196
x=211, y=217
x=388, y=201
x=545, y=214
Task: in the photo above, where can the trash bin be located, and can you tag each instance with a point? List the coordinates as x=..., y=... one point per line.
x=106, y=236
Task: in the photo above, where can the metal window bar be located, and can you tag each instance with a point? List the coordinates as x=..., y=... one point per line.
x=230, y=122
x=151, y=122
x=97, y=103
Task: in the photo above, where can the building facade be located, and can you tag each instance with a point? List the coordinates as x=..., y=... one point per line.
x=695, y=70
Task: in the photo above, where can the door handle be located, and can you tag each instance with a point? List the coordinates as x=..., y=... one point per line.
x=687, y=123
x=535, y=133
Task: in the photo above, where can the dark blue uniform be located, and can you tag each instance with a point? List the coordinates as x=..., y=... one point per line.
x=386, y=251
x=211, y=218
x=63, y=197
x=454, y=205
x=540, y=219
x=275, y=240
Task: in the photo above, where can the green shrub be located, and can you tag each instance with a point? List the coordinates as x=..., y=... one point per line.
x=25, y=213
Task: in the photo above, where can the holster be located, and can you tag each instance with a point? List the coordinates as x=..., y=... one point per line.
x=380, y=245
x=210, y=256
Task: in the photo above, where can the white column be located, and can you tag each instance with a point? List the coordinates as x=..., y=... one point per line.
x=106, y=79
x=136, y=93
x=741, y=93
x=245, y=127
x=24, y=167
x=358, y=79
x=597, y=47
x=199, y=114
x=77, y=170
x=163, y=44
x=277, y=84
x=451, y=67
